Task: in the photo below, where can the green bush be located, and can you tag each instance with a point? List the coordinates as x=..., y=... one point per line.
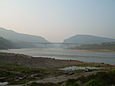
x=99, y=79
x=94, y=83
x=42, y=84
x=71, y=82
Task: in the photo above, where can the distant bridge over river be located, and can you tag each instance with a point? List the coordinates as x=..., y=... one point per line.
x=52, y=43
x=56, y=44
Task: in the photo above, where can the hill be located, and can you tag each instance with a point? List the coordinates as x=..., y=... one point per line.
x=22, y=40
x=97, y=47
x=5, y=44
x=88, y=39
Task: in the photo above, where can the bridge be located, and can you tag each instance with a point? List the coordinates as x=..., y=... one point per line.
x=52, y=43
x=56, y=44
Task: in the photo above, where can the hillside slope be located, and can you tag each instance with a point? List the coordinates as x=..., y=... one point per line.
x=14, y=36
x=5, y=44
x=22, y=40
x=87, y=39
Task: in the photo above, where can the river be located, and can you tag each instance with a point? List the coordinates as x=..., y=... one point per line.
x=58, y=53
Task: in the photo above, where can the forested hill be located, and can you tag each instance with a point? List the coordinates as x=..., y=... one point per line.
x=20, y=37
x=5, y=44
x=88, y=39
x=22, y=40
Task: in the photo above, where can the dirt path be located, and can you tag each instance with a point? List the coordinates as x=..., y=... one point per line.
x=64, y=77
x=61, y=78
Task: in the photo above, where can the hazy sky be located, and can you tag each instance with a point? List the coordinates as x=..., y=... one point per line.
x=59, y=19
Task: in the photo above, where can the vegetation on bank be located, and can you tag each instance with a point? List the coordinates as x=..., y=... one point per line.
x=16, y=74
x=98, y=79
x=19, y=75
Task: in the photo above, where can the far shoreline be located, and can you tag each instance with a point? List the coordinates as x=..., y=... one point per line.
x=78, y=50
x=92, y=50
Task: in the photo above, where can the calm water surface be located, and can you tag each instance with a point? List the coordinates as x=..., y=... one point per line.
x=105, y=57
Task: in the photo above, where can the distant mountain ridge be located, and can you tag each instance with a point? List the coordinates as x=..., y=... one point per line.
x=88, y=39
x=22, y=40
x=14, y=36
x=19, y=40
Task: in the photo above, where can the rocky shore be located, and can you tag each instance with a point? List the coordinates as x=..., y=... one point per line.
x=40, y=62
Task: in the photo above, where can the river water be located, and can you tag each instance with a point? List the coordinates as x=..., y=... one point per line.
x=58, y=53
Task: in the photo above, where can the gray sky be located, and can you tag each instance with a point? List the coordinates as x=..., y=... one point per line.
x=57, y=20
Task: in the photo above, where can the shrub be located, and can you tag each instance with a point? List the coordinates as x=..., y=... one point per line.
x=71, y=82
x=42, y=84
